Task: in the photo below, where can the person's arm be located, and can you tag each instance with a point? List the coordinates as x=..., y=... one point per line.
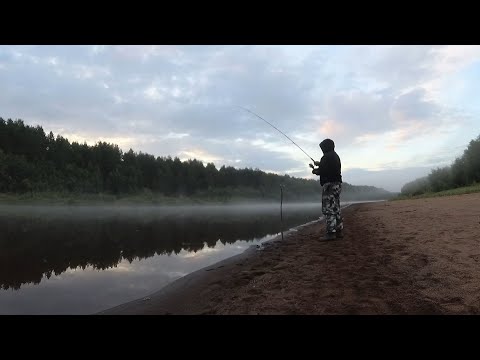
x=321, y=166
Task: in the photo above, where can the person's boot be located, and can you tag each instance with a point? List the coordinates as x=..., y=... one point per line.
x=328, y=237
x=339, y=234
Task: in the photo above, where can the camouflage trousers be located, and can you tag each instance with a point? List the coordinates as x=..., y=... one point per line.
x=331, y=206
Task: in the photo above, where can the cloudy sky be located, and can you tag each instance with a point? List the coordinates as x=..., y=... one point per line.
x=394, y=112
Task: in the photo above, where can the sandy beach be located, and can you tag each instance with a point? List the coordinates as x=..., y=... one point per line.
x=402, y=257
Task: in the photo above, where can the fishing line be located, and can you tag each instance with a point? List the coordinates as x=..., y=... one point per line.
x=281, y=132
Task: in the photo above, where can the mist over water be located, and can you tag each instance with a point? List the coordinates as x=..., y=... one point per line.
x=83, y=259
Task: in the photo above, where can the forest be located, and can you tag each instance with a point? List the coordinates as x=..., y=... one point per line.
x=464, y=171
x=32, y=161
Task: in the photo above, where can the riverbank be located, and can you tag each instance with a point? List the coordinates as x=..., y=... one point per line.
x=457, y=191
x=403, y=257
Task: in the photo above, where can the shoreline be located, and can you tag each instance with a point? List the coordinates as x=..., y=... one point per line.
x=408, y=257
x=164, y=300
x=195, y=279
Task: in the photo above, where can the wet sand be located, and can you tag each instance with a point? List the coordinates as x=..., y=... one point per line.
x=403, y=257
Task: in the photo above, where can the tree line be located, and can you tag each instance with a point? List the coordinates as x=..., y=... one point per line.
x=33, y=161
x=464, y=171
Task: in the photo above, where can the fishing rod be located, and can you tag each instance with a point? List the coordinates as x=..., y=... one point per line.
x=251, y=112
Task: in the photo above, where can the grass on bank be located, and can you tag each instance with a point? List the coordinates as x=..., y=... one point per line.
x=458, y=191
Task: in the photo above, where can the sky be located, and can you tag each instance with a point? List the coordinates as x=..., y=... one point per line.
x=394, y=112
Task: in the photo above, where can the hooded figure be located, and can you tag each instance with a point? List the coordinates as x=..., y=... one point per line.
x=330, y=172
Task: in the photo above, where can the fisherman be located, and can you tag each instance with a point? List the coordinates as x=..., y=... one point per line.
x=330, y=171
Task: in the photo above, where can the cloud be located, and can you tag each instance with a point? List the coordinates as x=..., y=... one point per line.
x=381, y=104
x=199, y=154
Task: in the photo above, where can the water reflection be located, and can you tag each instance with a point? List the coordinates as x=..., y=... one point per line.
x=62, y=243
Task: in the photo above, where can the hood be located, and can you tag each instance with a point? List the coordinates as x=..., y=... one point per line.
x=327, y=145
